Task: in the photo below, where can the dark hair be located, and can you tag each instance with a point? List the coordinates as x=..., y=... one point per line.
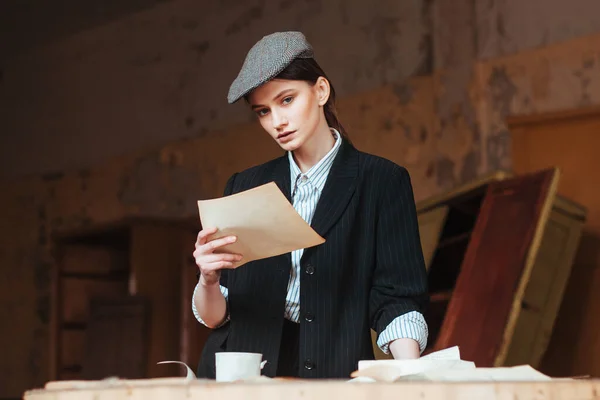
x=307, y=69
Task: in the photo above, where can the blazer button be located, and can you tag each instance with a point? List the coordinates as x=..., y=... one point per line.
x=310, y=269
x=308, y=364
x=309, y=317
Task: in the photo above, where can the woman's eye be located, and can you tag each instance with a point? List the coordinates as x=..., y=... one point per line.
x=262, y=113
x=288, y=100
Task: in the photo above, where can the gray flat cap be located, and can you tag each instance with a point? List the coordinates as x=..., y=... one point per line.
x=267, y=58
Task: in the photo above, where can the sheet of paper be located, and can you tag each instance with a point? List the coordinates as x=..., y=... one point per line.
x=264, y=221
x=440, y=366
x=499, y=374
x=451, y=353
x=392, y=370
x=426, y=361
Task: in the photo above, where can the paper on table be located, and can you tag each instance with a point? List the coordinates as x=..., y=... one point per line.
x=392, y=370
x=445, y=356
x=264, y=221
x=498, y=374
x=451, y=353
x=441, y=366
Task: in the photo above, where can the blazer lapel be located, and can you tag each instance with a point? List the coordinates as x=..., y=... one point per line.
x=338, y=189
x=281, y=176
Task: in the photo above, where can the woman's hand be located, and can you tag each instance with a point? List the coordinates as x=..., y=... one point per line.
x=210, y=263
x=405, y=349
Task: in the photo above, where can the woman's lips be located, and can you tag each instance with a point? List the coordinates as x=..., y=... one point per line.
x=285, y=136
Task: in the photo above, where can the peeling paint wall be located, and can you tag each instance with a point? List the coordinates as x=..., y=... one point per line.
x=561, y=77
x=454, y=37
x=509, y=26
x=27, y=24
x=162, y=74
x=471, y=43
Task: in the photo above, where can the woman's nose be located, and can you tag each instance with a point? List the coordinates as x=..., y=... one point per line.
x=278, y=119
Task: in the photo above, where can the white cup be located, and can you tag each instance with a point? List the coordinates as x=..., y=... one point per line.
x=232, y=366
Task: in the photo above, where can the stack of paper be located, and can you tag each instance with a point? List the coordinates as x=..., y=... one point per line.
x=442, y=366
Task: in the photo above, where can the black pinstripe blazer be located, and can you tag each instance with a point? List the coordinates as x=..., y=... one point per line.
x=369, y=271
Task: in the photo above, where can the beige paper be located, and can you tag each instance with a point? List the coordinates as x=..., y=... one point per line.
x=441, y=366
x=264, y=221
x=520, y=373
x=451, y=353
x=393, y=370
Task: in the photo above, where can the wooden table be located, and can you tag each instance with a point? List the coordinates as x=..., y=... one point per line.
x=178, y=388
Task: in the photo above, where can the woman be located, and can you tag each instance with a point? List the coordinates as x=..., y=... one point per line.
x=310, y=312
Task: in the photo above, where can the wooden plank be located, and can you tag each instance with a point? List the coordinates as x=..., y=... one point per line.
x=156, y=252
x=117, y=339
x=67, y=375
x=486, y=299
x=566, y=232
x=520, y=121
x=77, y=292
x=476, y=184
x=72, y=347
x=174, y=389
x=571, y=144
x=87, y=259
x=193, y=334
x=431, y=224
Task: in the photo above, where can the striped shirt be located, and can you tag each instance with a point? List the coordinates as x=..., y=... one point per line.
x=306, y=191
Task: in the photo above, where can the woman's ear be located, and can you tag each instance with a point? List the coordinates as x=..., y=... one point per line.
x=323, y=90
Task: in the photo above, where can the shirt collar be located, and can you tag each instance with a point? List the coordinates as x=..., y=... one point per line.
x=317, y=174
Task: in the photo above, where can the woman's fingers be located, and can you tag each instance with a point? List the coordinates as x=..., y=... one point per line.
x=217, y=265
x=205, y=257
x=215, y=244
x=203, y=235
x=210, y=258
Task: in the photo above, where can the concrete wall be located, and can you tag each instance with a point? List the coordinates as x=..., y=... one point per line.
x=162, y=74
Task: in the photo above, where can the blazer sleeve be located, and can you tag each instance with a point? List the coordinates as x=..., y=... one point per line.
x=399, y=282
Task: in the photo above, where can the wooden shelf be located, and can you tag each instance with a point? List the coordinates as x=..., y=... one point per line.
x=445, y=242
x=440, y=297
x=74, y=326
x=71, y=368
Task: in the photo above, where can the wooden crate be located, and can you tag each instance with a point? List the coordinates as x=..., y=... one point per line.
x=469, y=269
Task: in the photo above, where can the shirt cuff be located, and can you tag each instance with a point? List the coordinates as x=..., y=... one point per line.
x=195, y=310
x=411, y=325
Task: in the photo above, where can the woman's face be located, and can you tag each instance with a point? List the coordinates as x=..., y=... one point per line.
x=290, y=111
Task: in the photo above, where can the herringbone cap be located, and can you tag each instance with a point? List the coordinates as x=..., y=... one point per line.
x=267, y=58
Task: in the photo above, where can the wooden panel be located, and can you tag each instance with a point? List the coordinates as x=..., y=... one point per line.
x=69, y=375
x=430, y=228
x=545, y=289
x=76, y=293
x=117, y=339
x=570, y=141
x=93, y=259
x=479, y=313
x=156, y=251
x=72, y=346
x=193, y=333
